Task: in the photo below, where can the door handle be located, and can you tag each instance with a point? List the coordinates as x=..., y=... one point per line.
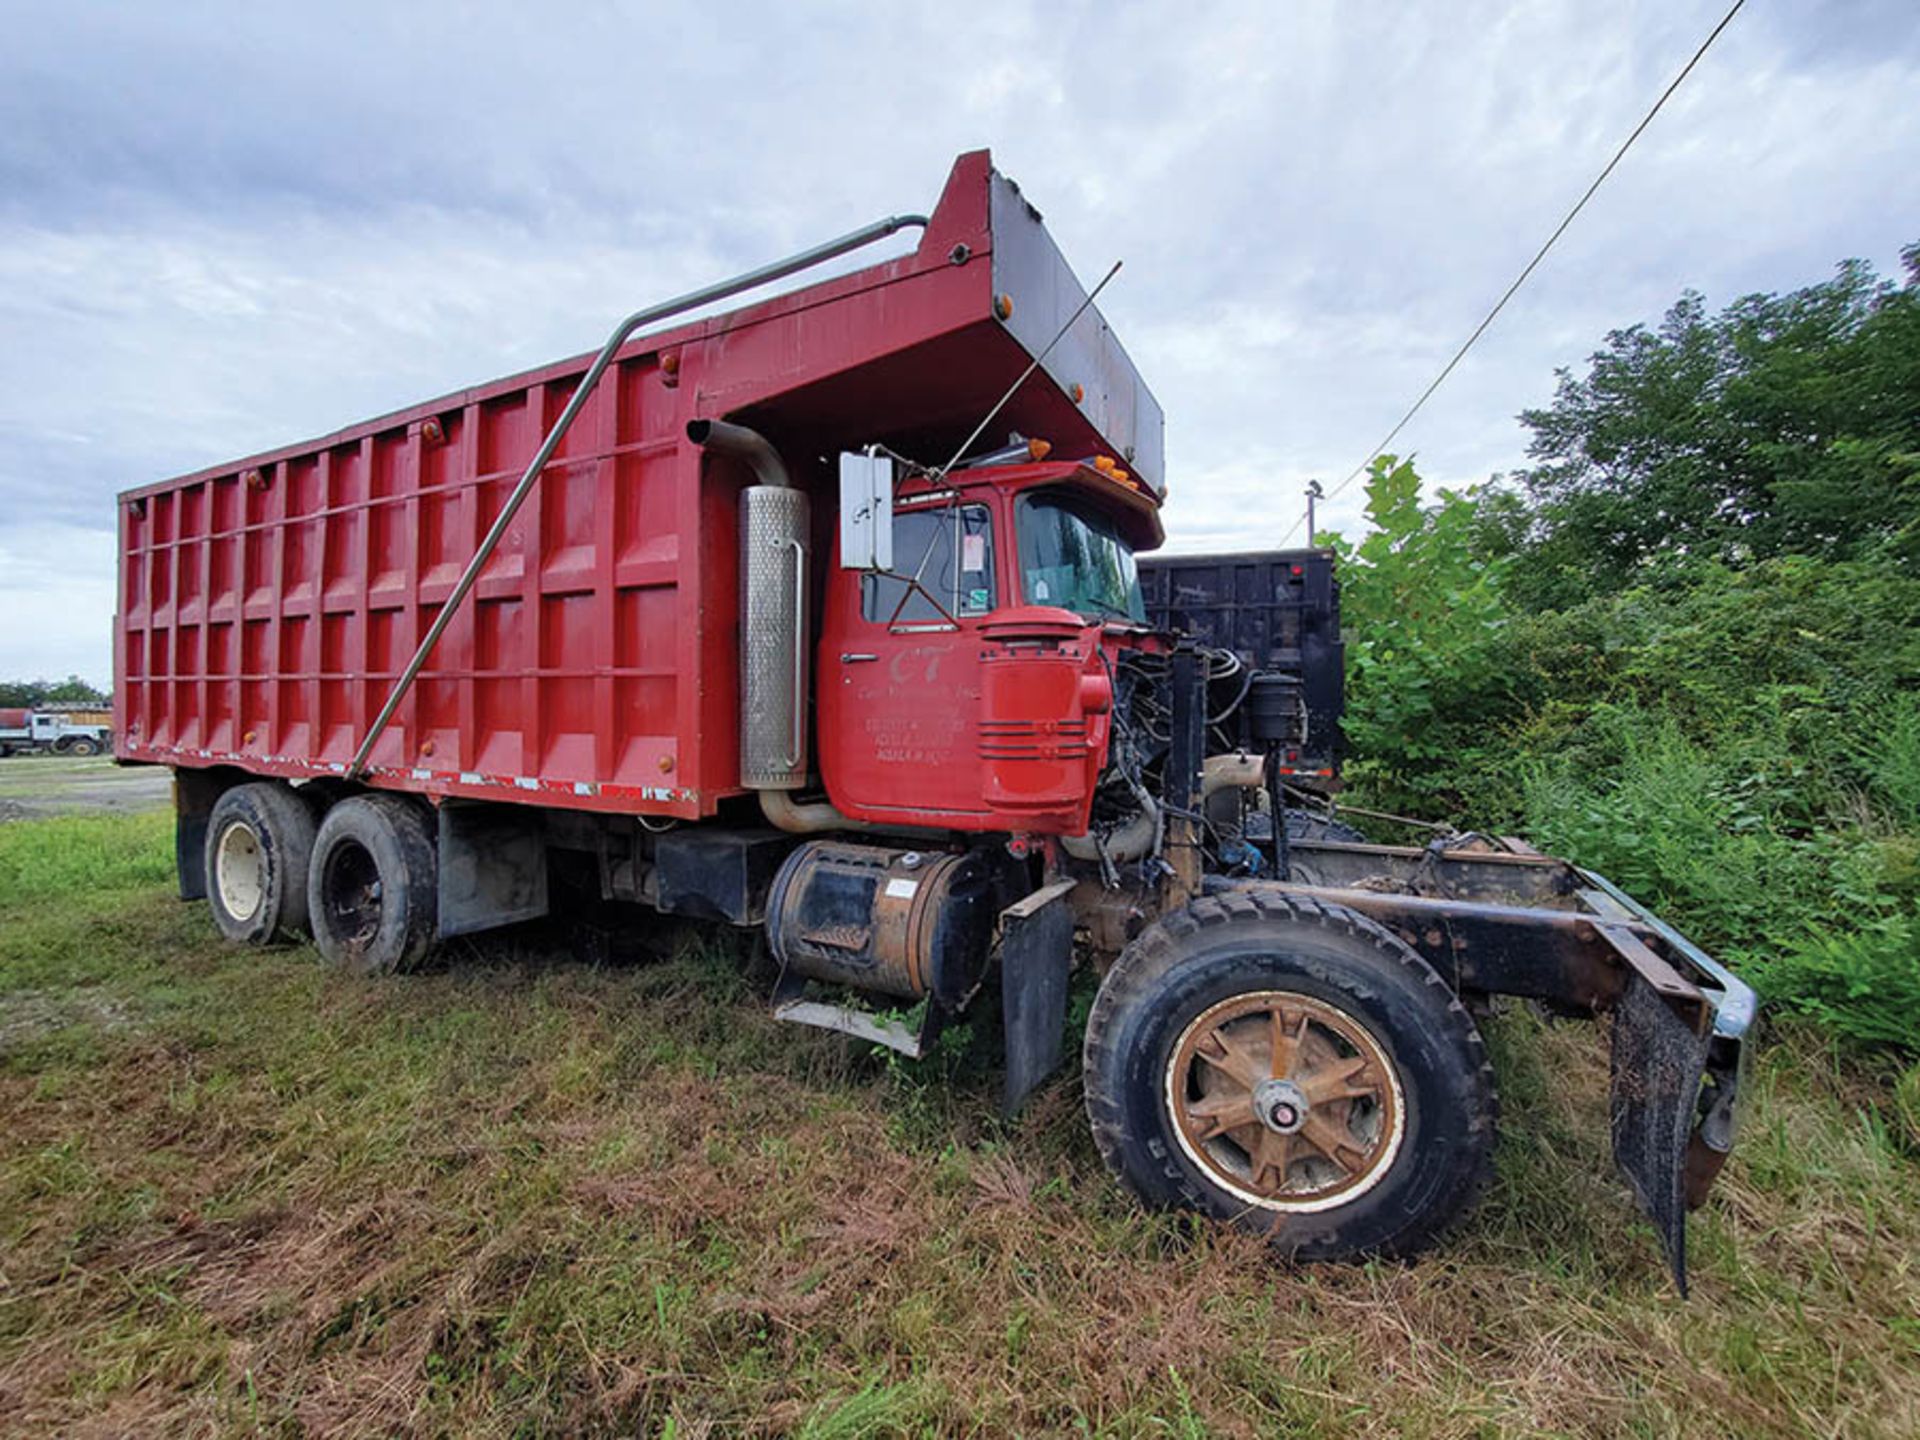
x=849, y=658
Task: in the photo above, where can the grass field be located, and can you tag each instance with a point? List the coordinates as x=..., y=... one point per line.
x=521, y=1193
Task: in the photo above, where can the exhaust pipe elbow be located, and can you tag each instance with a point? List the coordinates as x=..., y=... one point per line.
x=750, y=446
x=819, y=817
x=1232, y=772
x=1132, y=841
x=1139, y=837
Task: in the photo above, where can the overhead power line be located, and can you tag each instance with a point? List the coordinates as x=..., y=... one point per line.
x=1532, y=264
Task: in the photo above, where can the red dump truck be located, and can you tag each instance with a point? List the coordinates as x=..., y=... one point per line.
x=822, y=616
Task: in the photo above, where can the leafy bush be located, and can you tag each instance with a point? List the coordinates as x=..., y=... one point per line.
x=1739, y=747
x=1425, y=664
x=1864, y=983
x=1669, y=821
x=1684, y=648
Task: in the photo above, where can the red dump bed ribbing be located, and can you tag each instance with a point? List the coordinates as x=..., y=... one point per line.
x=267, y=606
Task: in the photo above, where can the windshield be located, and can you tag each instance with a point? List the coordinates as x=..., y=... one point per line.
x=1072, y=556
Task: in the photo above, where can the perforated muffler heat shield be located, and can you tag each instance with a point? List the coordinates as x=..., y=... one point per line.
x=773, y=637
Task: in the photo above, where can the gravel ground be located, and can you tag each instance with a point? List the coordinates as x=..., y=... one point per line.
x=32, y=786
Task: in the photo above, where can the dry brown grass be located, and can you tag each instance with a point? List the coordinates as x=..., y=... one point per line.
x=523, y=1195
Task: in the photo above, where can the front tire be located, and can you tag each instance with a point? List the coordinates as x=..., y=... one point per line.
x=1292, y=1067
x=259, y=844
x=374, y=885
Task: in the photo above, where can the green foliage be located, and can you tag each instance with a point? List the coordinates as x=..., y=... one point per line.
x=1424, y=654
x=1865, y=983
x=44, y=692
x=1785, y=424
x=1635, y=799
x=1685, y=650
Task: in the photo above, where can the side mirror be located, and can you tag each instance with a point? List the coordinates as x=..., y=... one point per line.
x=866, y=512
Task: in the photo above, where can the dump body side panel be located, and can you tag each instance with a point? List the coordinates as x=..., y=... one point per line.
x=265, y=613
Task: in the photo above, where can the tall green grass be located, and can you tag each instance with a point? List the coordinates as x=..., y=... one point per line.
x=1816, y=909
x=47, y=860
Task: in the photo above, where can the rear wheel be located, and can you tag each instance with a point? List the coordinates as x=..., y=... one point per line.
x=84, y=746
x=1291, y=1067
x=259, y=844
x=374, y=885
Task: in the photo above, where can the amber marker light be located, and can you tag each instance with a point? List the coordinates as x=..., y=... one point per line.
x=1039, y=449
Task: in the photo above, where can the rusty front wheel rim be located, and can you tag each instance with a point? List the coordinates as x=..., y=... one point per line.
x=1286, y=1101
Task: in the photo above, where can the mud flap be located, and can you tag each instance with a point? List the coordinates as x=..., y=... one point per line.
x=1036, y=952
x=1658, y=1062
x=493, y=867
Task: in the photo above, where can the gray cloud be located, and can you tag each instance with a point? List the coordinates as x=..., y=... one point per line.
x=223, y=228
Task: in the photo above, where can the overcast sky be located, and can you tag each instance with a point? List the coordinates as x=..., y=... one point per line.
x=224, y=228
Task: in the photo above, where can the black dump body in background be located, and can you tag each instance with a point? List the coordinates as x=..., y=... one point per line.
x=1279, y=611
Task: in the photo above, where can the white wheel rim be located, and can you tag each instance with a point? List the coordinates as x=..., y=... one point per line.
x=240, y=871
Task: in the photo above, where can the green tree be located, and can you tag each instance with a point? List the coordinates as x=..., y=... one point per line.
x=1785, y=424
x=72, y=690
x=1426, y=680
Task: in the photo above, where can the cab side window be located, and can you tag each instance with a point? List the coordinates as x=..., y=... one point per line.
x=950, y=551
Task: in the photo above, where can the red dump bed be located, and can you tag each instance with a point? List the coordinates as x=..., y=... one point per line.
x=267, y=606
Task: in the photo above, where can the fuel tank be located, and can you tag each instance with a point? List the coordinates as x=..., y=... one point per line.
x=905, y=923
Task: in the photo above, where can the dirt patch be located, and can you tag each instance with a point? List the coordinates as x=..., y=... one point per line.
x=30, y=1015
x=35, y=786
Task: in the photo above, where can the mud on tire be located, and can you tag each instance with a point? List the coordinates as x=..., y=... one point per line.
x=1291, y=1067
x=1311, y=825
x=259, y=845
x=374, y=885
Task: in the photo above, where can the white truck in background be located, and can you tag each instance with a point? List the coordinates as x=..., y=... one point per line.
x=49, y=732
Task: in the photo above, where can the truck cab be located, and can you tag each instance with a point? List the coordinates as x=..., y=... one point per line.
x=967, y=686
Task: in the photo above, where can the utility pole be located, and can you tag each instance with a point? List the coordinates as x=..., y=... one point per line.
x=1314, y=492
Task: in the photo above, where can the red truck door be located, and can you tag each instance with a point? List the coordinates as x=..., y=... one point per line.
x=899, y=669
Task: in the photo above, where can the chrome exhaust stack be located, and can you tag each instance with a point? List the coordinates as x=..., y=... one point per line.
x=773, y=610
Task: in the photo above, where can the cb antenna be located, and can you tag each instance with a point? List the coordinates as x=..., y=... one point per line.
x=1013, y=389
